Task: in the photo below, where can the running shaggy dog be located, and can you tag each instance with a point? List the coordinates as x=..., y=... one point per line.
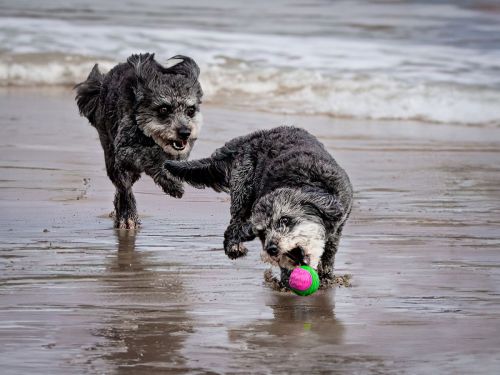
x=145, y=113
x=285, y=189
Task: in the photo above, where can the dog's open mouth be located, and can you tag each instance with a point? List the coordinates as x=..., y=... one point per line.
x=179, y=145
x=297, y=255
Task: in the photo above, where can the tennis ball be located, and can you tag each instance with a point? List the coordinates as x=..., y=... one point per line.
x=304, y=280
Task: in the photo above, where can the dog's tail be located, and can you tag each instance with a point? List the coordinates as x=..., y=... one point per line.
x=200, y=173
x=87, y=94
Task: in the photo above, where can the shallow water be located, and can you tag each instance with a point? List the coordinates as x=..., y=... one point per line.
x=422, y=246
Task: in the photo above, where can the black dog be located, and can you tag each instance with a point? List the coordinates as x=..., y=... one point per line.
x=145, y=113
x=286, y=189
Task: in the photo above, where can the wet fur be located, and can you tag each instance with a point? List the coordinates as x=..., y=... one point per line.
x=124, y=106
x=272, y=174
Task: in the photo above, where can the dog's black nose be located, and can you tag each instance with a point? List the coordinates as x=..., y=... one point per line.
x=272, y=250
x=184, y=133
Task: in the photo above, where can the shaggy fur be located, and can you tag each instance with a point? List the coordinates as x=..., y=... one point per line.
x=285, y=189
x=145, y=113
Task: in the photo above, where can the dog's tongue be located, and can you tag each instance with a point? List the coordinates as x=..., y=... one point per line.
x=184, y=143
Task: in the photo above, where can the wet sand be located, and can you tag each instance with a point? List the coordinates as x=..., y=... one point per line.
x=76, y=296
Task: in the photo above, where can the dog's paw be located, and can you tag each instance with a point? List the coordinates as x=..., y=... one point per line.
x=177, y=193
x=173, y=189
x=127, y=223
x=237, y=250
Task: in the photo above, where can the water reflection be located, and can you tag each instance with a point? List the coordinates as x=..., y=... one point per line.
x=297, y=323
x=150, y=323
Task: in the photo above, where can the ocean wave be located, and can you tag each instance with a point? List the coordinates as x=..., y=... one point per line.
x=319, y=74
x=288, y=90
x=361, y=96
x=46, y=69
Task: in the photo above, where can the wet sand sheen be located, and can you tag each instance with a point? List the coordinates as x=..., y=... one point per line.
x=422, y=246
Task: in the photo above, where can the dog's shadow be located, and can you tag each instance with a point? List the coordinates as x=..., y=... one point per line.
x=297, y=322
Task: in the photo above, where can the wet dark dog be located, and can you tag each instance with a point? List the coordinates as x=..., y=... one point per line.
x=285, y=189
x=145, y=113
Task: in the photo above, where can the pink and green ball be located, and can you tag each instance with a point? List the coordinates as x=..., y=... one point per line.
x=304, y=280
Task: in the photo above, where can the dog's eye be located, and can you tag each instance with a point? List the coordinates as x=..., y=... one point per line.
x=284, y=221
x=191, y=111
x=165, y=110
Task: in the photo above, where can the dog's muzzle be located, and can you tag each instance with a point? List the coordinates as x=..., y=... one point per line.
x=297, y=255
x=183, y=138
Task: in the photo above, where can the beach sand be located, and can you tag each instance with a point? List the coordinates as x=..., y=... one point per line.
x=77, y=296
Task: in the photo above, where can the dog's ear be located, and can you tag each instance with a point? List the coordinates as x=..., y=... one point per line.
x=326, y=205
x=182, y=65
x=144, y=66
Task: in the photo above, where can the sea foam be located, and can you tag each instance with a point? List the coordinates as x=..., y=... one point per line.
x=331, y=75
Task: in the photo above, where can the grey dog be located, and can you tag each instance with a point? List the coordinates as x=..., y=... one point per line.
x=285, y=189
x=145, y=113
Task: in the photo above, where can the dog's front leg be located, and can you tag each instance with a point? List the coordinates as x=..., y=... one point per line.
x=150, y=160
x=236, y=233
x=154, y=168
x=242, y=193
x=327, y=261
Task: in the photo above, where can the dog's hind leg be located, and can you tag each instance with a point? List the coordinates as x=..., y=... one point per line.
x=125, y=206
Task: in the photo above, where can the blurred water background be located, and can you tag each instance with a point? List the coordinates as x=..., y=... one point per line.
x=435, y=61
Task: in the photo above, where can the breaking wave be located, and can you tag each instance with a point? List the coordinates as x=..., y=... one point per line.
x=280, y=73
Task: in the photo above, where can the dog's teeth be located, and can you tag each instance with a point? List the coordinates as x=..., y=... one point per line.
x=179, y=146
